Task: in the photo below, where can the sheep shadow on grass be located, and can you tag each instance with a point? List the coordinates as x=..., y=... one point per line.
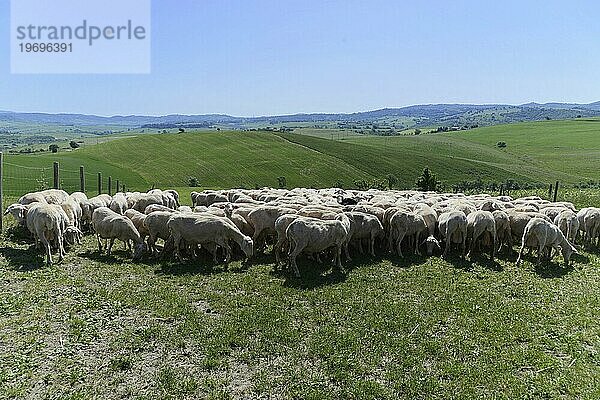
x=203, y=265
x=24, y=259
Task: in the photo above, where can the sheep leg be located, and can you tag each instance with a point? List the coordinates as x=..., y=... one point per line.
x=391, y=241
x=176, y=242
x=46, y=245
x=372, y=245
x=360, y=248
x=99, y=243
x=110, y=245
x=472, y=244
x=399, y=243
x=61, y=248
x=338, y=252
x=417, y=252
x=448, y=240
x=346, y=251
x=228, y=251
x=292, y=257
x=493, y=245
x=521, y=251
x=540, y=251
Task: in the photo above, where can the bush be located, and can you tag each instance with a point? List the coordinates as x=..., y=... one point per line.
x=281, y=181
x=362, y=184
x=501, y=145
x=193, y=181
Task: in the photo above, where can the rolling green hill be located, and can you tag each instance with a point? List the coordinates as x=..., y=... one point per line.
x=539, y=152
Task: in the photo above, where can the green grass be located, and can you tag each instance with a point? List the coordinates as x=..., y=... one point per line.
x=540, y=152
x=103, y=327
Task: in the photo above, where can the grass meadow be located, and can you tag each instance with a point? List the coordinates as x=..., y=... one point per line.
x=96, y=326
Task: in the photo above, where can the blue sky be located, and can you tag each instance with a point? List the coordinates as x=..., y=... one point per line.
x=266, y=57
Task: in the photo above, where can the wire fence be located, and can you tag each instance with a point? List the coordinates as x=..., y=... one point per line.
x=19, y=179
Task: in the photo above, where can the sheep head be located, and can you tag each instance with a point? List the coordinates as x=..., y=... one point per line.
x=431, y=243
x=567, y=250
x=138, y=250
x=247, y=246
x=18, y=211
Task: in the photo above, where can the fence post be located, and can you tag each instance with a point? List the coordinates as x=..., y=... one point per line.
x=501, y=190
x=123, y=188
x=99, y=183
x=81, y=180
x=117, y=190
x=56, y=177
x=555, y=191
x=110, y=185
x=1, y=193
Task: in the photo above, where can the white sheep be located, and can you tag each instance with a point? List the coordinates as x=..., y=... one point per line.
x=204, y=229
x=545, y=236
x=453, y=229
x=364, y=226
x=109, y=225
x=138, y=220
x=503, y=232
x=568, y=223
x=281, y=225
x=156, y=224
x=313, y=235
x=481, y=225
x=118, y=203
x=407, y=225
x=48, y=223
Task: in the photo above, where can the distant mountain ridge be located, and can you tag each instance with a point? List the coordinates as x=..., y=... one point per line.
x=420, y=115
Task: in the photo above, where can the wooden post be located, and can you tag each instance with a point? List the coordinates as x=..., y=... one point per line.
x=1, y=193
x=555, y=191
x=117, y=191
x=99, y=183
x=550, y=192
x=501, y=190
x=123, y=188
x=110, y=185
x=81, y=180
x=56, y=177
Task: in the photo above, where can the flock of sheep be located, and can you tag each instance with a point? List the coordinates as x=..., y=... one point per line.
x=316, y=222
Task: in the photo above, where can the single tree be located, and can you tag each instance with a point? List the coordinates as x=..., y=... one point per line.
x=427, y=181
x=53, y=148
x=74, y=144
x=392, y=180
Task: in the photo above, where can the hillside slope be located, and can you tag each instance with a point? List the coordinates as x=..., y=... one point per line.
x=540, y=152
